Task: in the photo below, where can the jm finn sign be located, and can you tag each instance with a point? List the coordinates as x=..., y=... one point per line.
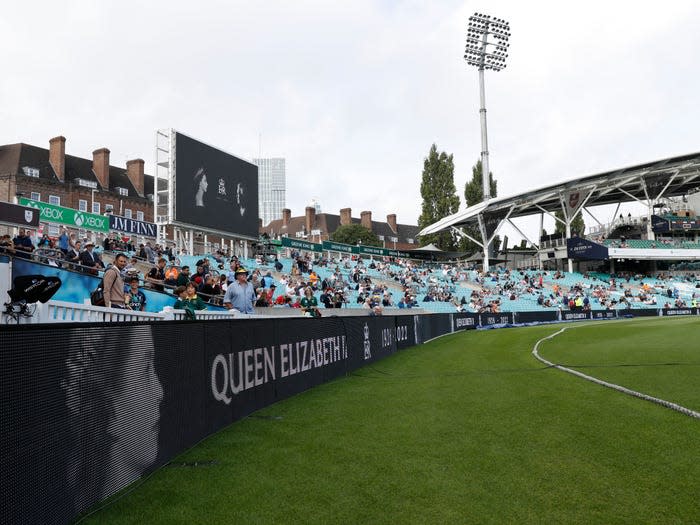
x=122, y=224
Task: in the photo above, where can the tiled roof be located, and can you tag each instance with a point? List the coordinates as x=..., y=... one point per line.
x=328, y=223
x=15, y=157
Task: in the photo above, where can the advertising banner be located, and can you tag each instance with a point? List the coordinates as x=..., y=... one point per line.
x=301, y=245
x=494, y=319
x=68, y=217
x=214, y=189
x=670, y=312
x=583, y=249
x=536, y=317
x=339, y=247
x=15, y=215
x=132, y=226
x=464, y=321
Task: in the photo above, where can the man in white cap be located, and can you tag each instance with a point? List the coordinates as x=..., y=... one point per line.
x=240, y=294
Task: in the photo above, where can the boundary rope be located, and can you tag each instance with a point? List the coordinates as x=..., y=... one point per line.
x=619, y=388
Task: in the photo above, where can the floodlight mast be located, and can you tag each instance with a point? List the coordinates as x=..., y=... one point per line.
x=487, y=48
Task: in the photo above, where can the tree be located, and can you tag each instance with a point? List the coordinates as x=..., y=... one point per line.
x=474, y=189
x=439, y=195
x=577, y=225
x=354, y=233
x=474, y=194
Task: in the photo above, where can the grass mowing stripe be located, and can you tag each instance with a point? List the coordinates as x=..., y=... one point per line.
x=467, y=429
x=619, y=388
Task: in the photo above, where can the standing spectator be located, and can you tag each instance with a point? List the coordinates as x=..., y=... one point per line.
x=64, y=241
x=184, y=278
x=150, y=255
x=73, y=254
x=309, y=303
x=156, y=276
x=326, y=298
x=23, y=244
x=135, y=299
x=91, y=262
x=240, y=294
x=113, y=284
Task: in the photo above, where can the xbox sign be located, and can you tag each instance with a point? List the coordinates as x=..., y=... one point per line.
x=67, y=216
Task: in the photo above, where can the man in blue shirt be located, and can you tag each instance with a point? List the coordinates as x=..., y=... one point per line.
x=240, y=294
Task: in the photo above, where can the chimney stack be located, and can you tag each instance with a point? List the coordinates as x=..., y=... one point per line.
x=366, y=219
x=134, y=170
x=310, y=218
x=286, y=217
x=100, y=165
x=345, y=216
x=391, y=220
x=57, y=157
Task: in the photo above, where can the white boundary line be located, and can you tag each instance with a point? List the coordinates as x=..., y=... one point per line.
x=662, y=402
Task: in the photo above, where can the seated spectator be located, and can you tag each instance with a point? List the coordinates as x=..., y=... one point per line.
x=6, y=245
x=209, y=289
x=171, y=275
x=156, y=276
x=376, y=311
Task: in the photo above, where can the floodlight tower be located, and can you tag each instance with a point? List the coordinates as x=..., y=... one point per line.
x=487, y=48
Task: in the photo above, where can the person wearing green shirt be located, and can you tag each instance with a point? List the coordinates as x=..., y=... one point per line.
x=188, y=299
x=309, y=303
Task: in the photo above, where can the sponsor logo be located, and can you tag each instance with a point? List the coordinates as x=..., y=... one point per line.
x=236, y=372
x=461, y=322
x=28, y=215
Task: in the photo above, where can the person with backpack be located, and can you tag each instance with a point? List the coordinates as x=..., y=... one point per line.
x=113, y=284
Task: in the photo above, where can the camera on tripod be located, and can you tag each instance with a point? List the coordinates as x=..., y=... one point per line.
x=27, y=290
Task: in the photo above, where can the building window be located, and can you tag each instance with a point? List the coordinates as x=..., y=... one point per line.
x=409, y=241
x=96, y=207
x=123, y=191
x=53, y=230
x=82, y=205
x=31, y=172
x=139, y=215
x=127, y=213
x=35, y=196
x=53, y=199
x=380, y=237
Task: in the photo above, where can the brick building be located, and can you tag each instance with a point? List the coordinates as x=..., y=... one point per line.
x=317, y=227
x=49, y=175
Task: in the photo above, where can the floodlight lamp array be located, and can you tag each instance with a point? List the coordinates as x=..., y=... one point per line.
x=487, y=42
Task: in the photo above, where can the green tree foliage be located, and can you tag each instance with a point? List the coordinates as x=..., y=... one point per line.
x=352, y=233
x=474, y=194
x=577, y=225
x=439, y=196
x=474, y=189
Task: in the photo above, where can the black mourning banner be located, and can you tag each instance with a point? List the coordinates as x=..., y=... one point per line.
x=16, y=215
x=214, y=189
x=87, y=409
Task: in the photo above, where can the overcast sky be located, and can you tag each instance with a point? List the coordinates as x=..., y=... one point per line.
x=354, y=93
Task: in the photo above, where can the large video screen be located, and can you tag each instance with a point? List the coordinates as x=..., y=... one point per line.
x=214, y=189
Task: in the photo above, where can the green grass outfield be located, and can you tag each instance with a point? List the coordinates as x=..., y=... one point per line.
x=469, y=428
